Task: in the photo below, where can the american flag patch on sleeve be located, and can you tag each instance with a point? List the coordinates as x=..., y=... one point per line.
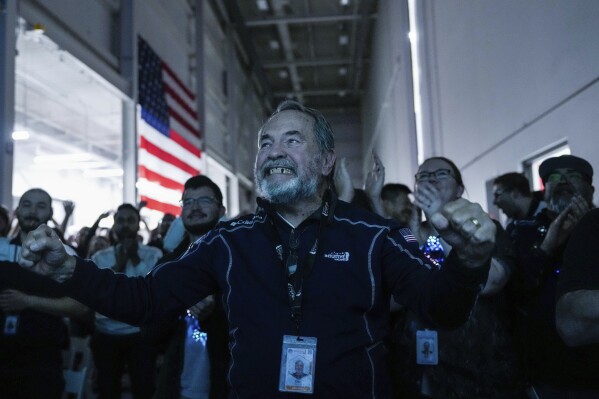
x=407, y=235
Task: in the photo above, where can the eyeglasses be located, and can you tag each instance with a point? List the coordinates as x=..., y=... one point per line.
x=439, y=174
x=570, y=176
x=187, y=202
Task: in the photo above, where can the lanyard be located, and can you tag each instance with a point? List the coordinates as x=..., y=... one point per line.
x=298, y=271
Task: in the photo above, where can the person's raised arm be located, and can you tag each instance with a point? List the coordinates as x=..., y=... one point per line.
x=374, y=185
x=69, y=207
x=342, y=180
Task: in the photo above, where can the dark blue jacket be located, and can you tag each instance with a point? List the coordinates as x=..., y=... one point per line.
x=362, y=259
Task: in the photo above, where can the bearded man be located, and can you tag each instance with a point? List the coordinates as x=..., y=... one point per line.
x=305, y=277
x=554, y=369
x=32, y=330
x=115, y=344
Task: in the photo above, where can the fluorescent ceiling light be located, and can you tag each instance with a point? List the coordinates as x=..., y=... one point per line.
x=67, y=166
x=283, y=74
x=262, y=5
x=62, y=158
x=117, y=172
x=274, y=45
x=343, y=71
x=344, y=2
x=343, y=40
x=20, y=135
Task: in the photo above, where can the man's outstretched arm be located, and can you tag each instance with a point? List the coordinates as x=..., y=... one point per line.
x=134, y=300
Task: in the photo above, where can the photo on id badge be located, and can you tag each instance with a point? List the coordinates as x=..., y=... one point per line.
x=298, y=356
x=298, y=370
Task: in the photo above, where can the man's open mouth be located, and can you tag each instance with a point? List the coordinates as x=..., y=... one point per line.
x=279, y=171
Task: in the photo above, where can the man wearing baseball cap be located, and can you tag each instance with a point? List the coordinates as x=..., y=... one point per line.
x=554, y=369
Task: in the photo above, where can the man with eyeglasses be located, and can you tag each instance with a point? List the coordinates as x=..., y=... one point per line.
x=555, y=370
x=114, y=343
x=196, y=353
x=305, y=277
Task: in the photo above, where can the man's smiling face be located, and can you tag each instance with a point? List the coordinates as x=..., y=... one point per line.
x=289, y=165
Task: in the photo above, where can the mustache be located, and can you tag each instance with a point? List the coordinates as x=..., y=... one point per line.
x=197, y=213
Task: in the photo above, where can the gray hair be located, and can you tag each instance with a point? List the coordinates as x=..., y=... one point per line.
x=322, y=129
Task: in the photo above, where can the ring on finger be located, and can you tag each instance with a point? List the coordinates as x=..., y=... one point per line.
x=476, y=222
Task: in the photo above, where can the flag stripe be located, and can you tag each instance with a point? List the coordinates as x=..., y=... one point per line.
x=145, y=173
x=177, y=138
x=182, y=113
x=171, y=74
x=161, y=206
x=159, y=166
x=176, y=116
x=166, y=156
x=177, y=145
x=180, y=101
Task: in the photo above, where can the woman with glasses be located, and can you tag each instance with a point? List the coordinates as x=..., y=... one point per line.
x=477, y=360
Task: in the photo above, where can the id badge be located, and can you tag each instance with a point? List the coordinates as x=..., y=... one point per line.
x=11, y=323
x=298, y=363
x=427, y=349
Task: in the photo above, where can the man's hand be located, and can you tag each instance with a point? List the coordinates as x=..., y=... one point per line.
x=13, y=301
x=43, y=252
x=427, y=198
x=468, y=229
x=375, y=180
x=559, y=230
x=343, y=182
x=69, y=207
x=204, y=308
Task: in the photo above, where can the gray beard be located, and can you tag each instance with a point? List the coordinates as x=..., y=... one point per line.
x=289, y=192
x=559, y=204
x=298, y=188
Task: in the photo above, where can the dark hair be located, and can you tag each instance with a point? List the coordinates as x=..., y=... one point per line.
x=514, y=181
x=129, y=207
x=393, y=190
x=200, y=181
x=456, y=172
x=361, y=200
x=5, y=215
x=322, y=128
x=39, y=190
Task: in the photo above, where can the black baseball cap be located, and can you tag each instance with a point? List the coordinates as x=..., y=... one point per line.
x=568, y=162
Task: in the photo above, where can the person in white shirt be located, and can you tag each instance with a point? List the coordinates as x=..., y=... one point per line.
x=114, y=343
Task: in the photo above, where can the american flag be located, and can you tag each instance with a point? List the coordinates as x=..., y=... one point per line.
x=407, y=235
x=168, y=128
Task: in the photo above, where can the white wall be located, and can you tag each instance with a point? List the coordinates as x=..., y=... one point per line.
x=492, y=67
x=387, y=114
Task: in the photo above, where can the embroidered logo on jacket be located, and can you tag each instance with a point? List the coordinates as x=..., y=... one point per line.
x=338, y=256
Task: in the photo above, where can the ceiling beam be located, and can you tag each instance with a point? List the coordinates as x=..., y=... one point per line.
x=309, y=63
x=321, y=92
x=286, y=42
x=244, y=37
x=360, y=47
x=303, y=20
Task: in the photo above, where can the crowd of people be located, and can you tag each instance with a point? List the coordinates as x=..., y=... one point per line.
x=327, y=289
